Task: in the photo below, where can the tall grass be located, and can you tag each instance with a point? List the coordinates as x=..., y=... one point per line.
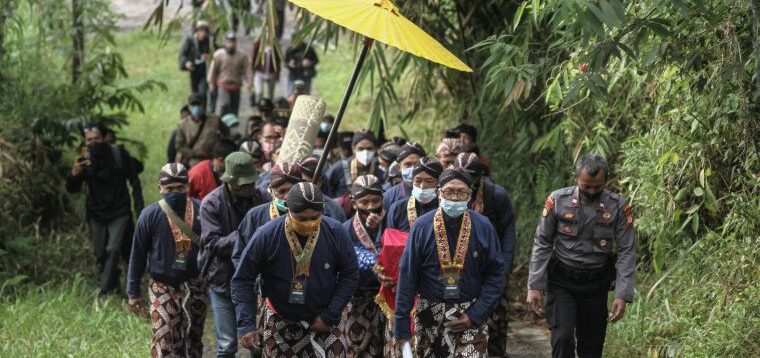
x=69, y=320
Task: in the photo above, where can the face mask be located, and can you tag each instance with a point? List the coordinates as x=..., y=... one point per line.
x=453, y=209
x=176, y=201
x=365, y=156
x=98, y=151
x=424, y=196
x=406, y=173
x=325, y=127
x=230, y=50
x=267, y=147
x=245, y=191
x=318, y=152
x=196, y=110
x=280, y=204
x=306, y=228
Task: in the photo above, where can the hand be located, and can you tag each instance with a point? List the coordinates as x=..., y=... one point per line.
x=618, y=310
x=535, y=301
x=400, y=343
x=306, y=63
x=292, y=64
x=461, y=324
x=319, y=326
x=385, y=280
x=250, y=340
x=189, y=65
x=78, y=167
x=373, y=220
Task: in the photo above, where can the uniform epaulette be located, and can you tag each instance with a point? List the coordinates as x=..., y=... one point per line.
x=564, y=191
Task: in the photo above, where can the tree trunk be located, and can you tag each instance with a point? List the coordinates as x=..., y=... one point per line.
x=77, y=41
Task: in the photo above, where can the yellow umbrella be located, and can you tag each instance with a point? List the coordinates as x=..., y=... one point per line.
x=377, y=20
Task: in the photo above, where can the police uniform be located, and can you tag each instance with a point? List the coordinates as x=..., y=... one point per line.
x=579, y=250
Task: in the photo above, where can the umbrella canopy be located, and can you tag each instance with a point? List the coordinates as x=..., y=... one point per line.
x=380, y=20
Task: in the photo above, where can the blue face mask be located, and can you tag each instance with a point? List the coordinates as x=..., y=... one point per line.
x=280, y=204
x=423, y=195
x=453, y=209
x=176, y=201
x=196, y=110
x=406, y=173
x=325, y=127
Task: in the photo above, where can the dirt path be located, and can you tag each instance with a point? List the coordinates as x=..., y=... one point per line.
x=525, y=341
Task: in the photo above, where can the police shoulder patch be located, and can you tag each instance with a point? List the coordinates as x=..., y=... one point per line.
x=628, y=215
x=548, y=206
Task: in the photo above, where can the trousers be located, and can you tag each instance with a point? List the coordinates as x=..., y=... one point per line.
x=107, y=241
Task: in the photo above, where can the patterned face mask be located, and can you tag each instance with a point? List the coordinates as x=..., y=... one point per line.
x=306, y=227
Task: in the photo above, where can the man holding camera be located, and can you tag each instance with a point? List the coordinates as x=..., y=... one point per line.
x=106, y=169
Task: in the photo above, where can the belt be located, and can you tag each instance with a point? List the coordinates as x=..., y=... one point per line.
x=584, y=275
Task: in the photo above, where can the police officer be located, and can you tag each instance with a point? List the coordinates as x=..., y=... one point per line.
x=575, y=263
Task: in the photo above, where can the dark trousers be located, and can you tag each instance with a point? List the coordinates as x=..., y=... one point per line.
x=228, y=101
x=107, y=239
x=198, y=84
x=576, y=311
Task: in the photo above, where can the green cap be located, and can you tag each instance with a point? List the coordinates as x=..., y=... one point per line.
x=239, y=170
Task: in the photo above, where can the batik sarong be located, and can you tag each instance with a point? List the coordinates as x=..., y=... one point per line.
x=177, y=315
x=434, y=340
x=364, y=326
x=497, y=328
x=283, y=338
x=391, y=350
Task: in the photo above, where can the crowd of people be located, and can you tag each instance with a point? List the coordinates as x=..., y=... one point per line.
x=390, y=250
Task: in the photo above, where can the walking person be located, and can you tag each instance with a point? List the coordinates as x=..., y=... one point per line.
x=193, y=56
x=308, y=271
x=166, y=241
x=409, y=154
x=301, y=61
x=266, y=69
x=453, y=261
x=229, y=72
x=574, y=262
x=106, y=169
x=197, y=134
x=221, y=213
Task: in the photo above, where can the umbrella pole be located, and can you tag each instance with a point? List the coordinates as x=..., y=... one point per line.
x=339, y=116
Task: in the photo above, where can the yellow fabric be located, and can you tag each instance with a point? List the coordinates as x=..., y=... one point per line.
x=380, y=20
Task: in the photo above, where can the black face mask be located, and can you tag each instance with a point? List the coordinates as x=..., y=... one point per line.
x=230, y=50
x=364, y=213
x=177, y=201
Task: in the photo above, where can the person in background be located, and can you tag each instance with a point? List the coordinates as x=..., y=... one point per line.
x=308, y=271
x=106, y=170
x=197, y=134
x=388, y=154
x=448, y=150
x=301, y=61
x=493, y=201
x=221, y=213
x=469, y=136
x=266, y=69
x=265, y=106
x=344, y=144
x=424, y=199
x=344, y=173
x=253, y=128
x=408, y=156
x=229, y=71
x=268, y=138
x=171, y=150
x=394, y=176
x=364, y=319
x=308, y=168
x=299, y=88
x=574, y=262
x=193, y=55
x=204, y=176
x=166, y=241
x=253, y=149
x=453, y=261
x=240, y=8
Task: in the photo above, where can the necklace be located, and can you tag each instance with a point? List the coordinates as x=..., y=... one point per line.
x=302, y=255
x=463, y=241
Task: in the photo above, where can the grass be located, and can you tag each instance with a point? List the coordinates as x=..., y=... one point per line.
x=68, y=320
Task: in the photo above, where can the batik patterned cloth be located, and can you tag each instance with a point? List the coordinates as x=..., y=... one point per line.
x=284, y=338
x=262, y=315
x=177, y=315
x=391, y=350
x=435, y=340
x=364, y=326
x=497, y=328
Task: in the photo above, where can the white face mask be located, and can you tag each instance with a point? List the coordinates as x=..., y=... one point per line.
x=318, y=152
x=424, y=195
x=365, y=156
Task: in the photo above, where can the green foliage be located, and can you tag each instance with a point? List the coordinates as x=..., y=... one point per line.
x=69, y=320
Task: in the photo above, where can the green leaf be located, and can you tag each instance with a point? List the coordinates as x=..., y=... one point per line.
x=693, y=209
x=518, y=15
x=695, y=224
x=681, y=194
x=698, y=191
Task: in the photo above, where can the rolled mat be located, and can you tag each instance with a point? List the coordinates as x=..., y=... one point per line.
x=303, y=129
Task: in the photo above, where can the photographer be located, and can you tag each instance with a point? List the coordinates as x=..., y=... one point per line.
x=106, y=169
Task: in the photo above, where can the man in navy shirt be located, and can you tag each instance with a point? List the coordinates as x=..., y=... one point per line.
x=453, y=261
x=308, y=271
x=166, y=238
x=410, y=154
x=424, y=199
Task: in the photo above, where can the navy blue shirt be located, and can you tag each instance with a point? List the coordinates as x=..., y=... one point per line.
x=398, y=192
x=499, y=210
x=333, y=275
x=367, y=276
x=398, y=218
x=419, y=270
x=154, y=235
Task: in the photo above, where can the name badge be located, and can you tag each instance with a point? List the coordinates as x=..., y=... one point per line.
x=298, y=291
x=180, y=262
x=450, y=283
